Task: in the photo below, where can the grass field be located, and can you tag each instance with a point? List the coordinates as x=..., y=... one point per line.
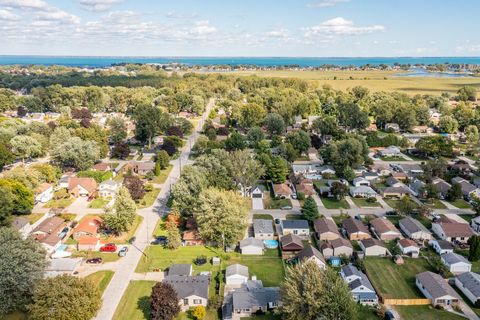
x=425, y=313
x=101, y=279
x=148, y=199
x=262, y=216
x=163, y=175
x=395, y=281
x=98, y=203
x=33, y=217
x=106, y=256
x=135, y=303
x=331, y=203
x=436, y=204
x=58, y=204
x=271, y=203
x=461, y=204
x=364, y=203
x=394, y=158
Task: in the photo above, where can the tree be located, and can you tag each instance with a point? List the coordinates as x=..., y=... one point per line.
x=277, y=170
x=21, y=267
x=435, y=146
x=474, y=251
x=350, y=152
x=430, y=191
x=235, y=142
x=435, y=168
x=120, y=150
x=81, y=113
x=135, y=187
x=251, y=114
x=169, y=147
x=173, y=235
x=76, y=153
x=23, y=199
x=149, y=121
x=311, y=293
x=118, y=130
x=25, y=147
x=199, y=312
x=327, y=125
x=174, y=131
x=65, y=297
x=163, y=302
x=275, y=124
x=163, y=159
x=472, y=134
x=448, y=124
x=243, y=169
x=300, y=140
x=255, y=135
x=6, y=155
x=221, y=216
x=405, y=206
x=467, y=93
x=185, y=192
x=6, y=205
x=310, y=209
x=339, y=190
x=121, y=216
x=455, y=192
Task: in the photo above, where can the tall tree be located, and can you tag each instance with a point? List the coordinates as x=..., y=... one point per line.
x=235, y=142
x=26, y=147
x=118, y=130
x=448, y=124
x=472, y=134
x=474, y=251
x=21, y=267
x=77, y=153
x=163, y=302
x=135, y=186
x=455, y=192
x=339, y=190
x=22, y=196
x=405, y=206
x=275, y=124
x=310, y=209
x=243, y=169
x=121, y=216
x=277, y=170
x=150, y=121
x=173, y=235
x=6, y=155
x=300, y=140
x=163, y=159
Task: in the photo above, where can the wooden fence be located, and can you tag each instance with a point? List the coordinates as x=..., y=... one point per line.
x=406, y=302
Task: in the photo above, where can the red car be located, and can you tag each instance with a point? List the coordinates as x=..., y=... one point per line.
x=109, y=247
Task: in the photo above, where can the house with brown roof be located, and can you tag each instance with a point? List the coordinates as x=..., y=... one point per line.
x=453, y=231
x=88, y=227
x=395, y=192
x=192, y=238
x=355, y=229
x=306, y=188
x=102, y=166
x=309, y=253
x=336, y=248
x=409, y=247
x=384, y=229
x=326, y=229
x=49, y=233
x=291, y=245
x=139, y=167
x=282, y=191
x=82, y=187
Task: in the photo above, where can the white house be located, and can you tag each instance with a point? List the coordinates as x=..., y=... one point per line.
x=391, y=151
x=263, y=229
x=361, y=181
x=108, y=189
x=413, y=229
x=359, y=285
x=409, y=247
x=44, y=193
x=296, y=227
x=362, y=192
x=435, y=288
x=469, y=284
x=309, y=253
x=22, y=225
x=236, y=275
x=456, y=263
x=251, y=246
x=373, y=247
x=441, y=246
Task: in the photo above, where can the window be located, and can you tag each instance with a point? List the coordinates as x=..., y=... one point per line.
x=185, y=302
x=197, y=301
x=295, y=231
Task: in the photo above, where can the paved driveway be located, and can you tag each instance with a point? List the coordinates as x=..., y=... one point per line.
x=257, y=204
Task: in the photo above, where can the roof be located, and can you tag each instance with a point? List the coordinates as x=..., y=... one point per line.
x=49, y=225
x=245, y=298
x=471, y=282
x=308, y=252
x=324, y=225
x=144, y=165
x=89, y=225
x=87, y=240
x=454, y=229
x=453, y=258
x=102, y=166
x=295, y=224
x=340, y=242
x=43, y=187
x=236, y=269
x=444, y=244
x=88, y=184
x=251, y=242
x=282, y=189
x=362, y=189
x=435, y=285
x=191, y=235
x=354, y=225
x=351, y=270
x=291, y=239
x=360, y=179
x=405, y=243
x=19, y=223
x=110, y=183
x=412, y=225
x=391, y=181
x=180, y=270
x=398, y=190
x=368, y=243
x=382, y=225
x=262, y=226
x=186, y=286
x=441, y=185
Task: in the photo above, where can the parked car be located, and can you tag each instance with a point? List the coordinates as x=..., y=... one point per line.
x=161, y=240
x=123, y=252
x=109, y=247
x=286, y=208
x=94, y=260
x=277, y=221
x=64, y=232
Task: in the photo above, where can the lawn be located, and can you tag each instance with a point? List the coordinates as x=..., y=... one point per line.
x=16, y=316
x=331, y=203
x=268, y=268
x=262, y=216
x=395, y=281
x=33, y=217
x=436, y=204
x=366, y=313
x=394, y=219
x=98, y=203
x=101, y=279
x=163, y=175
x=268, y=316
x=124, y=237
x=135, y=303
x=271, y=203
x=361, y=202
x=148, y=199
x=461, y=204
x=106, y=256
x=425, y=313
x=393, y=158
x=59, y=204
x=160, y=229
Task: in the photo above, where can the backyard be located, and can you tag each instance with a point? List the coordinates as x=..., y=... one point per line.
x=426, y=313
x=271, y=203
x=331, y=203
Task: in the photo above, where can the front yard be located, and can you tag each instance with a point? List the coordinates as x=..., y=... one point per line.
x=106, y=256
x=59, y=204
x=460, y=204
x=148, y=199
x=271, y=203
x=135, y=303
x=160, y=179
x=393, y=158
x=331, y=203
x=101, y=279
x=436, y=204
x=361, y=202
x=98, y=203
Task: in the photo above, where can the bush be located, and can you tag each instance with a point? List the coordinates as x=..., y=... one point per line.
x=300, y=196
x=199, y=312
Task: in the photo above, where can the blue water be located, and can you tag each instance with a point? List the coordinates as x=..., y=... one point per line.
x=271, y=244
x=420, y=72
x=234, y=61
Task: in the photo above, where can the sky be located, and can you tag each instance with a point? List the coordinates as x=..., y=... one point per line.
x=287, y=28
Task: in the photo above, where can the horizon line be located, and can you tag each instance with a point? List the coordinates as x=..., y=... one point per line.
x=213, y=56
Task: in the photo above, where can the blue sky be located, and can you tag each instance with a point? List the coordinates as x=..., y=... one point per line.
x=317, y=28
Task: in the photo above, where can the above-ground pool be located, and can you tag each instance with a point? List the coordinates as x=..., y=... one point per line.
x=270, y=244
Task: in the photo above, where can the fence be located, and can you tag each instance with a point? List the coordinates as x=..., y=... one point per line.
x=405, y=302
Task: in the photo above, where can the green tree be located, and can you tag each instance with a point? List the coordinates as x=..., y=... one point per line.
x=77, y=153
x=310, y=209
x=300, y=140
x=21, y=267
x=277, y=170
x=275, y=124
x=467, y=93
x=474, y=251
x=448, y=124
x=6, y=205
x=310, y=293
x=405, y=206
x=163, y=159
x=25, y=147
x=6, y=155
x=22, y=196
x=221, y=216
x=186, y=191
x=243, y=169
x=173, y=235
x=255, y=135
x=149, y=121
x=121, y=216
x=118, y=130
x=235, y=141
x=455, y=192
x=326, y=125
x=339, y=190
x=252, y=114
x=472, y=134
x=435, y=146
x=65, y=297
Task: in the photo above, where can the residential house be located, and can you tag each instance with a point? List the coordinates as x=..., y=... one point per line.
x=469, y=284
x=456, y=263
x=22, y=225
x=312, y=154
x=409, y=247
x=442, y=187
x=44, y=193
x=384, y=229
x=63, y=181
x=326, y=249
x=307, y=167
x=180, y=270
x=311, y=120
x=402, y=176
x=359, y=171
x=467, y=188
x=192, y=238
x=411, y=169
x=361, y=181
x=362, y=192
x=441, y=246
x=306, y=187
x=461, y=166
x=381, y=169
x=251, y=246
x=371, y=176
x=391, y=151
x=359, y=285
x=422, y=129
x=236, y=275
x=50, y=233
x=326, y=229
x=475, y=224
x=309, y=253
x=102, y=166
x=434, y=116
x=192, y=291
x=393, y=182
x=140, y=167
x=327, y=170
x=393, y=127
x=355, y=229
x=282, y=191
x=88, y=227
x=108, y=189
x=452, y=231
x=418, y=188
x=373, y=247
x=435, y=288
x=336, y=248
x=413, y=229
x=395, y=192
x=82, y=187
x=263, y=229
x=291, y=245
x=257, y=194
x=296, y=227
x=62, y=266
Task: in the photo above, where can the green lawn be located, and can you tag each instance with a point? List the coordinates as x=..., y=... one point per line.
x=101, y=279
x=148, y=199
x=135, y=303
x=268, y=268
x=361, y=202
x=425, y=313
x=98, y=203
x=268, y=316
x=467, y=217
x=331, y=203
x=163, y=175
x=393, y=158
x=436, y=204
x=395, y=281
x=394, y=219
x=106, y=256
x=33, y=217
x=366, y=313
x=160, y=229
x=461, y=204
x=58, y=204
x=271, y=203
x=262, y=216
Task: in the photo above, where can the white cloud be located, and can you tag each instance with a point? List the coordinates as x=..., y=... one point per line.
x=8, y=15
x=98, y=5
x=176, y=15
x=25, y=4
x=202, y=28
x=40, y=10
x=58, y=16
x=326, y=3
x=278, y=33
x=475, y=48
x=340, y=27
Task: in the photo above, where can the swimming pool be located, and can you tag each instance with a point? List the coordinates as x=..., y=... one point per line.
x=270, y=244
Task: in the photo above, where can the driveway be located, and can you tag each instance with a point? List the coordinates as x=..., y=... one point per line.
x=257, y=204
x=80, y=206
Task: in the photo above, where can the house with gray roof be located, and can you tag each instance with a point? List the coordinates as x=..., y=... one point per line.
x=456, y=263
x=393, y=182
x=180, y=270
x=469, y=284
x=417, y=187
x=359, y=284
x=362, y=192
x=22, y=225
x=441, y=246
x=192, y=291
x=467, y=188
x=437, y=289
x=61, y=266
x=414, y=229
x=296, y=227
x=236, y=275
x=310, y=253
x=442, y=187
x=251, y=246
x=263, y=229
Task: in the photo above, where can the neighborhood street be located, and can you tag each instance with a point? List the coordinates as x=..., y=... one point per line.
x=125, y=270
